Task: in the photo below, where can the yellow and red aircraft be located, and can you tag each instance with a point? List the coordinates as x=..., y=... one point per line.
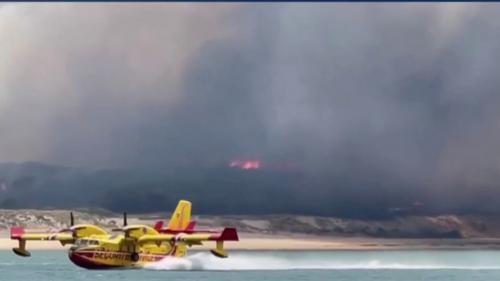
x=135, y=245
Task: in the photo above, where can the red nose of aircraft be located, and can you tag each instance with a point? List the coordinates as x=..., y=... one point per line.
x=85, y=259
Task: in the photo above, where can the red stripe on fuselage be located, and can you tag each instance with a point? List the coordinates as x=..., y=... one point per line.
x=88, y=259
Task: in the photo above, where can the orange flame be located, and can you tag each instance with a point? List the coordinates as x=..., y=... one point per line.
x=245, y=164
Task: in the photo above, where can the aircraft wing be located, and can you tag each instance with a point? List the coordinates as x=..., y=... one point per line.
x=137, y=231
x=18, y=233
x=228, y=234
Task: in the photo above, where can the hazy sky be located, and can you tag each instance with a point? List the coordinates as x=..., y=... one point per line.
x=400, y=92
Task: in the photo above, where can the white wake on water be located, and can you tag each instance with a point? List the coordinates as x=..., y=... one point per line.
x=261, y=261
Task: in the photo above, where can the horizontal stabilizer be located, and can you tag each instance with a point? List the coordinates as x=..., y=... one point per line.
x=158, y=226
x=191, y=226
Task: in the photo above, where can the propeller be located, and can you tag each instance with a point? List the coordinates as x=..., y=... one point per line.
x=71, y=224
x=125, y=223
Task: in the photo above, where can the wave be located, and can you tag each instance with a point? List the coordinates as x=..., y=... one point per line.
x=329, y=261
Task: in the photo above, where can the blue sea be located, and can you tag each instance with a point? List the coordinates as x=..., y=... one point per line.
x=270, y=265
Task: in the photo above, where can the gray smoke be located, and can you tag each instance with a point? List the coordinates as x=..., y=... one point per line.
x=394, y=105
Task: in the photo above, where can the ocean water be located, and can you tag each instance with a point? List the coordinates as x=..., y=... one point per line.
x=270, y=266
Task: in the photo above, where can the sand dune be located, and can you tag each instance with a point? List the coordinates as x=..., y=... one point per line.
x=449, y=226
x=288, y=232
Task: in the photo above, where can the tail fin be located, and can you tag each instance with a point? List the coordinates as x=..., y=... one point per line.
x=181, y=216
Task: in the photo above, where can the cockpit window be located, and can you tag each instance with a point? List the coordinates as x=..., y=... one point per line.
x=86, y=242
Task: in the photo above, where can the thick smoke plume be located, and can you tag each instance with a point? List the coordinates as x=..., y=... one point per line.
x=377, y=107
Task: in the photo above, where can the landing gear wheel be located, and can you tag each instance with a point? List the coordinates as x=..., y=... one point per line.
x=134, y=257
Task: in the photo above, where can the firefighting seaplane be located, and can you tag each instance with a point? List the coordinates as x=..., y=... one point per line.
x=131, y=245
